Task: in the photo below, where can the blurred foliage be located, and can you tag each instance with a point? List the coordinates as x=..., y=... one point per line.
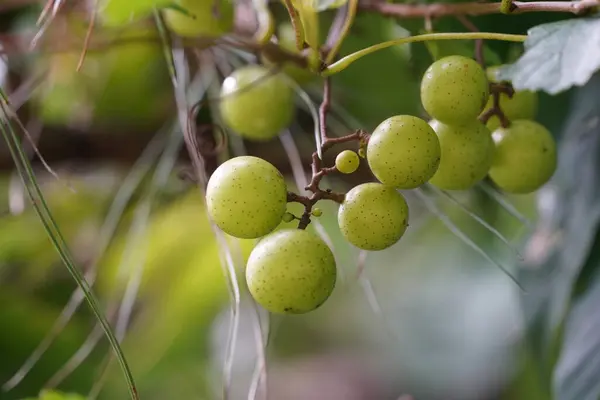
x=430, y=316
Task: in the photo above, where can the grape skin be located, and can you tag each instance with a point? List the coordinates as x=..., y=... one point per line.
x=373, y=216
x=291, y=271
x=347, y=162
x=454, y=90
x=205, y=23
x=467, y=154
x=246, y=197
x=403, y=152
x=256, y=103
x=525, y=157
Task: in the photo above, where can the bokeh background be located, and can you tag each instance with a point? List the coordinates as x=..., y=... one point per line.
x=433, y=317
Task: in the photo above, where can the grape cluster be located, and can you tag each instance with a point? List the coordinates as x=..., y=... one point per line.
x=293, y=270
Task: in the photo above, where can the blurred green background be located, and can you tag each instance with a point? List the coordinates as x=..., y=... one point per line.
x=431, y=317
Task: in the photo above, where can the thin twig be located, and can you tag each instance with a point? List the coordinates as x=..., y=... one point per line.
x=479, y=56
x=88, y=35
x=474, y=8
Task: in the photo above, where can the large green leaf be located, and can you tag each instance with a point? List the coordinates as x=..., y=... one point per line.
x=569, y=216
x=557, y=56
x=577, y=370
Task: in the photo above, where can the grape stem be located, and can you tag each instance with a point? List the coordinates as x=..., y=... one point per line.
x=345, y=62
x=318, y=171
x=496, y=90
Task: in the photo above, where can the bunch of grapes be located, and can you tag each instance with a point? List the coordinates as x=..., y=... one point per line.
x=291, y=270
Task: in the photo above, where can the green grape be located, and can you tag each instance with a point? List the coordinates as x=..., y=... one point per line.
x=207, y=18
x=291, y=271
x=373, y=216
x=403, y=152
x=522, y=105
x=347, y=162
x=119, y=13
x=256, y=103
x=454, y=90
x=467, y=153
x=288, y=217
x=246, y=197
x=317, y=212
x=286, y=39
x=525, y=157
x=362, y=153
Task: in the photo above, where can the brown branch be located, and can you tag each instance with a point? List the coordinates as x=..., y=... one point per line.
x=474, y=8
x=324, y=109
x=497, y=89
x=479, y=56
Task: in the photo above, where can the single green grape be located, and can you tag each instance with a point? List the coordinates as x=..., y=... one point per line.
x=208, y=18
x=317, y=212
x=362, y=153
x=286, y=39
x=525, y=157
x=403, y=152
x=288, y=217
x=347, y=162
x=467, y=153
x=256, y=103
x=291, y=271
x=246, y=197
x=522, y=105
x=454, y=90
x=373, y=216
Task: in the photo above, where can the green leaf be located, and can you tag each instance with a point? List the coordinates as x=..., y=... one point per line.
x=576, y=374
x=322, y=5
x=568, y=222
x=557, y=56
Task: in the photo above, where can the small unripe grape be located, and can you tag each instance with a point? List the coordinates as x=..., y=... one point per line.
x=467, y=153
x=362, y=153
x=347, y=162
x=317, y=212
x=210, y=18
x=291, y=271
x=246, y=197
x=525, y=157
x=288, y=217
x=454, y=90
x=522, y=105
x=403, y=152
x=256, y=103
x=373, y=216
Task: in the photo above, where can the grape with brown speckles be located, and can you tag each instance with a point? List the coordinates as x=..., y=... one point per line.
x=347, y=162
x=291, y=271
x=246, y=197
x=403, y=152
x=373, y=216
x=525, y=157
x=256, y=103
x=204, y=21
x=454, y=89
x=467, y=153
